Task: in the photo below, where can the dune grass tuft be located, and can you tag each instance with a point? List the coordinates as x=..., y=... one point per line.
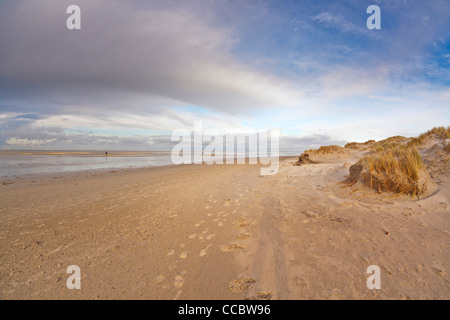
x=359, y=145
x=439, y=132
x=387, y=144
x=352, y=145
x=398, y=170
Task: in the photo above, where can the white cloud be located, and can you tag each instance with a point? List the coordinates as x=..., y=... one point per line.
x=337, y=22
x=27, y=142
x=165, y=121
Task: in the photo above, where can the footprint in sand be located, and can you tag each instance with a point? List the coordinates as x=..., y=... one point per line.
x=261, y=295
x=171, y=253
x=210, y=236
x=184, y=255
x=243, y=236
x=241, y=284
x=231, y=247
x=220, y=224
x=203, y=251
x=178, y=283
x=192, y=236
x=201, y=237
x=241, y=223
x=199, y=223
x=179, y=279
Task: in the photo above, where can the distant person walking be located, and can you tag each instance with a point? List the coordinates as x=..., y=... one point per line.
x=106, y=153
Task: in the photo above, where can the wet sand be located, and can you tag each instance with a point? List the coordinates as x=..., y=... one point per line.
x=220, y=232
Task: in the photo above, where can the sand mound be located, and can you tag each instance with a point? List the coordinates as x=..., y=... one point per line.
x=399, y=170
x=324, y=154
x=395, y=164
x=436, y=156
x=304, y=159
x=329, y=154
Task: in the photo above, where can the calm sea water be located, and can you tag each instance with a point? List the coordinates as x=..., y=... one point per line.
x=13, y=163
x=22, y=163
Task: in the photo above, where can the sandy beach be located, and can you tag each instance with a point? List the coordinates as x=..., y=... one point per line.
x=221, y=232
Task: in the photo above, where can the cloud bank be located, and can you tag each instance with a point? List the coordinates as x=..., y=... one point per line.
x=137, y=70
x=128, y=56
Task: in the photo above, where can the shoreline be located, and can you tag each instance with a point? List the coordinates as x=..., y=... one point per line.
x=14, y=179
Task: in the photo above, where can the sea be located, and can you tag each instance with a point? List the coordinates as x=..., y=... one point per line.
x=26, y=163
x=23, y=163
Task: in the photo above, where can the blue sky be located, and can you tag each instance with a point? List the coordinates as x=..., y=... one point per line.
x=138, y=70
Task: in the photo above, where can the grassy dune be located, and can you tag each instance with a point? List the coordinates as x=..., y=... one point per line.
x=390, y=165
x=399, y=170
x=395, y=164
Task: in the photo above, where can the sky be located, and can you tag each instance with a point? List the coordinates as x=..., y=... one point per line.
x=138, y=70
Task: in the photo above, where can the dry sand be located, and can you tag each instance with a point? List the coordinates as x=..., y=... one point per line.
x=221, y=232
